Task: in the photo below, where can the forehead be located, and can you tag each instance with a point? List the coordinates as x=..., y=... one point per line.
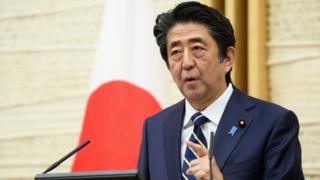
x=183, y=32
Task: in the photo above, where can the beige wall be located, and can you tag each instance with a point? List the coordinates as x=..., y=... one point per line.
x=46, y=53
x=294, y=70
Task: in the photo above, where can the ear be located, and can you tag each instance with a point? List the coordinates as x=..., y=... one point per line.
x=230, y=59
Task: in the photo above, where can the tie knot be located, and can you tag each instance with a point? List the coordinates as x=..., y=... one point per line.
x=199, y=119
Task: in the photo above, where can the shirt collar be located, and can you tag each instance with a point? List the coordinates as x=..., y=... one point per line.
x=216, y=107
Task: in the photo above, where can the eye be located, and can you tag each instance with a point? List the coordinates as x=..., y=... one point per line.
x=175, y=54
x=197, y=48
x=198, y=51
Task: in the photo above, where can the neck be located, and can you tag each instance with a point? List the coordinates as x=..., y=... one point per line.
x=203, y=103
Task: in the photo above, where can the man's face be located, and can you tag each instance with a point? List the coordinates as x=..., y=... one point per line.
x=195, y=64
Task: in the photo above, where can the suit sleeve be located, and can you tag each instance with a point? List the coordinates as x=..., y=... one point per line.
x=283, y=151
x=143, y=165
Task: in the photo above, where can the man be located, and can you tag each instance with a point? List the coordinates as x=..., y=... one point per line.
x=253, y=139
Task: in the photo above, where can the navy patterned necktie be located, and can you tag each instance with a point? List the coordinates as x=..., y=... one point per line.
x=196, y=137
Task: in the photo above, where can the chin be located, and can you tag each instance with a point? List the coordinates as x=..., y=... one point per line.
x=193, y=96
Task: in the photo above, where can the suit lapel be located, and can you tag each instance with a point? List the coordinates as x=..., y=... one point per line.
x=172, y=140
x=236, y=110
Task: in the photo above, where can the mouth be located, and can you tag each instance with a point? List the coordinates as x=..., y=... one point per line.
x=190, y=79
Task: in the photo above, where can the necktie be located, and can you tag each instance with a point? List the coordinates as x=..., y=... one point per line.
x=196, y=137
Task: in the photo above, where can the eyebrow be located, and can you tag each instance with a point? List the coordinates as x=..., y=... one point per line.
x=197, y=39
x=192, y=40
x=174, y=44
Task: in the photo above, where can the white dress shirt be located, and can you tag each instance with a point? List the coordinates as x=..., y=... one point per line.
x=213, y=112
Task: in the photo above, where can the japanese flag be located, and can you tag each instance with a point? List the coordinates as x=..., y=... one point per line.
x=129, y=83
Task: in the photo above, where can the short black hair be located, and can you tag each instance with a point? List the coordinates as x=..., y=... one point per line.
x=218, y=26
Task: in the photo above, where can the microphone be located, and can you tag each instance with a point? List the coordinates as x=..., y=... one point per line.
x=57, y=163
x=211, y=154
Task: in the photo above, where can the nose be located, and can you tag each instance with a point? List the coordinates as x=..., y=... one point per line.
x=188, y=61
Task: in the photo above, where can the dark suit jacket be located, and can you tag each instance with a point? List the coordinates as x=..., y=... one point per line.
x=267, y=147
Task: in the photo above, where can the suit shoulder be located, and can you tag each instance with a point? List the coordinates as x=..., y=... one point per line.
x=163, y=114
x=260, y=107
x=270, y=109
x=269, y=106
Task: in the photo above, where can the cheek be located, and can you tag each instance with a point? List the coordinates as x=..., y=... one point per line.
x=175, y=70
x=204, y=68
x=212, y=71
